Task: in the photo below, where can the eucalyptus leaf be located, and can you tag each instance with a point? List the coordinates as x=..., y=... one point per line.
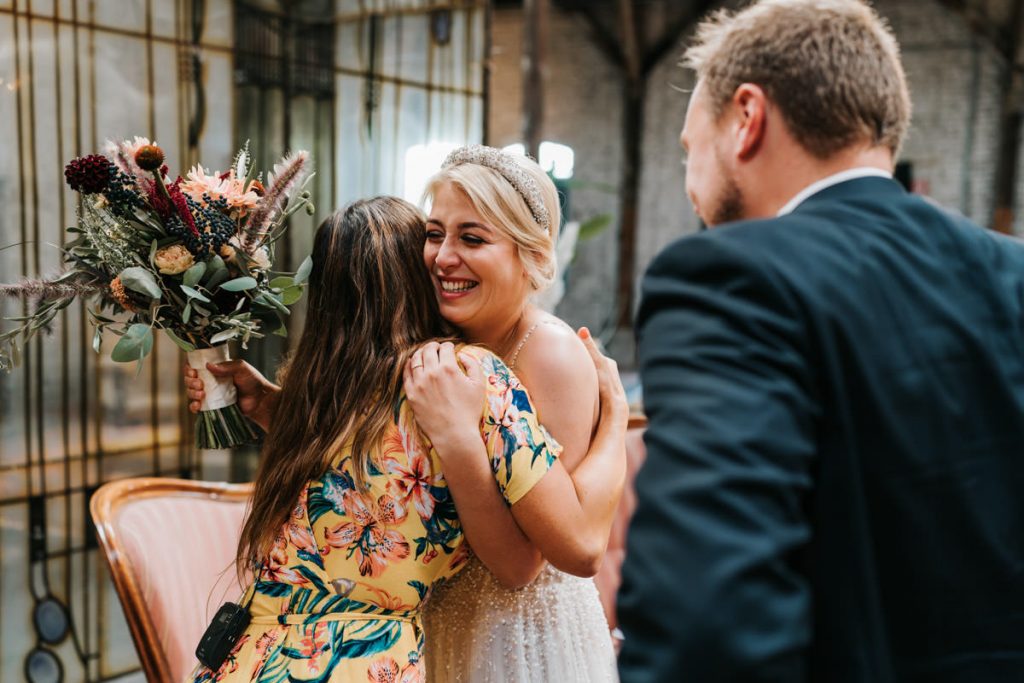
x=217, y=277
x=214, y=266
x=186, y=313
x=215, y=263
x=271, y=301
x=290, y=295
x=140, y=280
x=194, y=274
x=302, y=274
x=239, y=284
x=282, y=282
x=281, y=331
x=136, y=344
x=101, y=318
x=97, y=340
x=194, y=293
x=223, y=336
x=182, y=344
x=152, y=253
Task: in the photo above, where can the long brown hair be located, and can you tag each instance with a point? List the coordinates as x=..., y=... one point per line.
x=371, y=303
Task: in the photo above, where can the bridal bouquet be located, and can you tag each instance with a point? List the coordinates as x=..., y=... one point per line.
x=192, y=257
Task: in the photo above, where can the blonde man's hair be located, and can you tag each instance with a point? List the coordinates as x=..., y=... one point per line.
x=503, y=208
x=832, y=67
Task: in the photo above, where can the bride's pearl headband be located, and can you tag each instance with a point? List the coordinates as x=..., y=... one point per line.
x=506, y=166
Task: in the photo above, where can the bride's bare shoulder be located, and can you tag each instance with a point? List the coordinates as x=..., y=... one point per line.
x=555, y=355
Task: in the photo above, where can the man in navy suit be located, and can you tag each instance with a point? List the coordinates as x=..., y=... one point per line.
x=834, y=378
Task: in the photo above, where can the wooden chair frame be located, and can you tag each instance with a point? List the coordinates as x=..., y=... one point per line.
x=103, y=507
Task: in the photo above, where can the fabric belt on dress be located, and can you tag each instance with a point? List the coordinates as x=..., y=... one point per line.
x=300, y=619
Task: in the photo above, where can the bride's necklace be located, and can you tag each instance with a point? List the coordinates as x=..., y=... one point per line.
x=514, y=358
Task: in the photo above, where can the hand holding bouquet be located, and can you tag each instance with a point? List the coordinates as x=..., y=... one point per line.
x=192, y=257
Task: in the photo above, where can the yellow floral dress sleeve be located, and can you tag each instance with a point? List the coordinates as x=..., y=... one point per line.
x=520, y=449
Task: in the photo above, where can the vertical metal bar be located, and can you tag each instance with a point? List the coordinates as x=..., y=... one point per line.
x=534, y=44
x=967, y=154
x=23, y=249
x=396, y=123
x=154, y=359
x=2, y=592
x=635, y=87
x=197, y=114
x=431, y=49
x=97, y=399
x=1011, y=115
x=65, y=352
x=65, y=386
x=186, y=452
x=373, y=87
x=467, y=111
x=334, y=109
x=370, y=95
x=286, y=36
x=488, y=46
x=90, y=643
x=83, y=422
x=37, y=375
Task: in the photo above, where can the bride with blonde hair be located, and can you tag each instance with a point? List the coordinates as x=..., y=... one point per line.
x=491, y=234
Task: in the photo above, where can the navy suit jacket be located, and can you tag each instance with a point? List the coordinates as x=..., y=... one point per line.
x=834, y=488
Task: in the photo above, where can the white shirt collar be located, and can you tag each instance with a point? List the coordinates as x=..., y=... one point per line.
x=841, y=177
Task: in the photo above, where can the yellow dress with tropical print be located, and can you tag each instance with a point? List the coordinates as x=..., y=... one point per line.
x=338, y=598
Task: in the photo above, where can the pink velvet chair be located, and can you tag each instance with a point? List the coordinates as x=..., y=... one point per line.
x=170, y=544
x=609, y=576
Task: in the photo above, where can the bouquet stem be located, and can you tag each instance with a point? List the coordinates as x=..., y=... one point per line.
x=220, y=423
x=223, y=428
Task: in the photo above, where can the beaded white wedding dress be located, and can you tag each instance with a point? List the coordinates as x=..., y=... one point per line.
x=552, y=631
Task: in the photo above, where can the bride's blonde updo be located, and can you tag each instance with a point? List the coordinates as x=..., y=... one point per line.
x=515, y=196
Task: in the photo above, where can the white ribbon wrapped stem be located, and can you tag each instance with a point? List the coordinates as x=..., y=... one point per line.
x=220, y=392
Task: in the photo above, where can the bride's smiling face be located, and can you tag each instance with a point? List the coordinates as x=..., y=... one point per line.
x=478, y=277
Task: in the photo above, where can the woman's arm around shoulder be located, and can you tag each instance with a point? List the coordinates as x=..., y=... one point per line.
x=449, y=405
x=569, y=523
x=574, y=514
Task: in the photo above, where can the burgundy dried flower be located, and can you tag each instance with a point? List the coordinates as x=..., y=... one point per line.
x=90, y=174
x=180, y=203
x=157, y=199
x=149, y=157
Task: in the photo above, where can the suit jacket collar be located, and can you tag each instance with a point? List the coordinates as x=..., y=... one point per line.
x=871, y=187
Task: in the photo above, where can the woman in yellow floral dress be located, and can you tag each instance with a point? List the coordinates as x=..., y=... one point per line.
x=352, y=524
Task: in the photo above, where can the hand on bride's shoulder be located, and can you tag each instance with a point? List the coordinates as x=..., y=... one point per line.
x=446, y=389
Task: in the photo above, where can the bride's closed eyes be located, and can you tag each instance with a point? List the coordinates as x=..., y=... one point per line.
x=436, y=235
